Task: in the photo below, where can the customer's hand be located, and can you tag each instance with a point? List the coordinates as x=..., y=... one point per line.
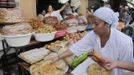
x=110, y=64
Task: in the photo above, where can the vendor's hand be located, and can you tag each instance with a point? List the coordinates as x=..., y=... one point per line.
x=55, y=59
x=66, y=3
x=110, y=64
x=69, y=43
x=97, y=57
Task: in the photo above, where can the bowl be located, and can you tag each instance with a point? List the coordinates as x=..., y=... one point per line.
x=63, y=1
x=43, y=37
x=60, y=33
x=18, y=40
x=71, y=30
x=81, y=28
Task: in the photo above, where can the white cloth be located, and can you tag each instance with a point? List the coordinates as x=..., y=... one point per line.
x=75, y=3
x=108, y=15
x=82, y=68
x=82, y=19
x=56, y=14
x=118, y=47
x=63, y=1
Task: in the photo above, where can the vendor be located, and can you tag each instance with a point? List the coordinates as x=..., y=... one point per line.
x=104, y=38
x=41, y=16
x=55, y=13
x=75, y=4
x=120, y=25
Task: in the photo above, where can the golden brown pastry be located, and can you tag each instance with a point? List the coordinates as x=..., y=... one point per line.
x=45, y=68
x=95, y=69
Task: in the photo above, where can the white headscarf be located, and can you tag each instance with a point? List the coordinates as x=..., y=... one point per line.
x=108, y=15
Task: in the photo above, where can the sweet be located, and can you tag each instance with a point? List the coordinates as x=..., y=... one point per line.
x=35, y=23
x=17, y=29
x=95, y=69
x=45, y=29
x=51, y=20
x=11, y=15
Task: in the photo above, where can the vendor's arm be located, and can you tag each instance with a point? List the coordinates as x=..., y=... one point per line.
x=78, y=48
x=65, y=54
x=125, y=59
x=63, y=7
x=126, y=65
x=111, y=64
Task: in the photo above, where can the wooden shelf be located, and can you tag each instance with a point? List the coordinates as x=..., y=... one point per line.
x=25, y=66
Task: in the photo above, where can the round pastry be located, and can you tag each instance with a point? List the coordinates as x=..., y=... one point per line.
x=49, y=68
x=95, y=69
x=35, y=68
x=45, y=68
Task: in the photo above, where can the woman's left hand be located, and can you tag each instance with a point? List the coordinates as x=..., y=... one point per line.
x=110, y=64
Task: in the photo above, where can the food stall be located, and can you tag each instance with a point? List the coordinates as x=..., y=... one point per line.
x=36, y=42
x=20, y=27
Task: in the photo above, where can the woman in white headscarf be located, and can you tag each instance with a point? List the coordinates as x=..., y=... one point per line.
x=56, y=13
x=105, y=39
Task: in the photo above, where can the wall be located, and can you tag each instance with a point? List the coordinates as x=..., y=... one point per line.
x=28, y=8
x=83, y=6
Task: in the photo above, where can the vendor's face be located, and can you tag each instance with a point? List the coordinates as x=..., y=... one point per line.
x=43, y=12
x=50, y=8
x=99, y=27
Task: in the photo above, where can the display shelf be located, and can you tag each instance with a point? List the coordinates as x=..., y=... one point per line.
x=33, y=44
x=24, y=65
x=8, y=6
x=8, y=23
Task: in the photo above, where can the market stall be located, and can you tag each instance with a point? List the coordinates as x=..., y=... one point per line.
x=38, y=42
x=18, y=32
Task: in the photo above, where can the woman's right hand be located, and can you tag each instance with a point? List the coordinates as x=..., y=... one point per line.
x=110, y=64
x=55, y=59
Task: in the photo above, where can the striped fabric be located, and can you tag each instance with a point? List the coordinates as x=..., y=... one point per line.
x=7, y=3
